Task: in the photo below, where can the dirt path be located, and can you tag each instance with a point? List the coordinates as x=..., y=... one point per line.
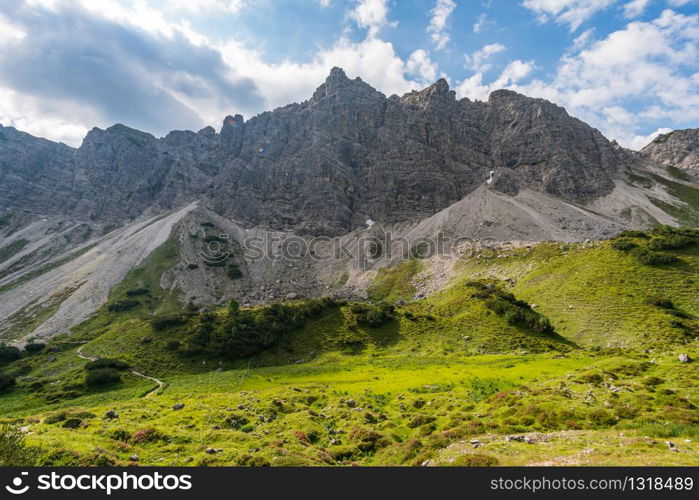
x=138, y=374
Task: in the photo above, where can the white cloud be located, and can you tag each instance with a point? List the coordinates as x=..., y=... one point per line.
x=635, y=8
x=183, y=79
x=570, y=12
x=325, y=3
x=421, y=66
x=478, y=61
x=59, y=121
x=372, y=15
x=438, y=22
x=639, y=141
x=374, y=60
x=581, y=41
x=482, y=23
x=643, y=65
x=231, y=6
x=514, y=72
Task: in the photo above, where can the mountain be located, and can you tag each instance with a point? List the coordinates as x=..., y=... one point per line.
x=679, y=149
x=348, y=163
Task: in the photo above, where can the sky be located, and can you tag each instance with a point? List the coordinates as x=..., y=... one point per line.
x=627, y=67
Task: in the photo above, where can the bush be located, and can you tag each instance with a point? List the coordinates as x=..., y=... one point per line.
x=651, y=258
x=115, y=364
x=419, y=420
x=9, y=354
x=233, y=308
x=671, y=242
x=234, y=272
x=102, y=377
x=167, y=321
x=633, y=233
x=6, y=383
x=13, y=450
x=172, y=345
x=660, y=302
x=370, y=315
x=242, y=333
x=368, y=440
x=475, y=460
x=122, y=305
x=33, y=347
x=137, y=291
x=149, y=435
x=623, y=245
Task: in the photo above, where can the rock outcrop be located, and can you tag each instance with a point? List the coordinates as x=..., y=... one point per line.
x=679, y=148
x=323, y=166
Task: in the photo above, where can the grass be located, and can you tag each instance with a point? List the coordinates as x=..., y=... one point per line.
x=605, y=388
x=12, y=249
x=678, y=173
x=394, y=283
x=685, y=214
x=41, y=270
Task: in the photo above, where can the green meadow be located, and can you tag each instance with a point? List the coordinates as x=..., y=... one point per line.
x=556, y=354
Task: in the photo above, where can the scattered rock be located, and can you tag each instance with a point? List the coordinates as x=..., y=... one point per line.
x=178, y=406
x=134, y=458
x=111, y=414
x=684, y=358
x=211, y=451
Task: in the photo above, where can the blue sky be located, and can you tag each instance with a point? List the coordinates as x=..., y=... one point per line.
x=627, y=67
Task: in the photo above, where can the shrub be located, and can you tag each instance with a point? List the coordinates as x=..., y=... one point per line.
x=102, y=377
x=6, y=382
x=14, y=451
x=122, y=305
x=633, y=233
x=34, y=347
x=512, y=309
x=234, y=272
x=660, y=302
x=371, y=315
x=475, y=460
x=9, y=353
x=601, y=418
x=419, y=420
x=148, y=435
x=368, y=440
x=242, y=333
x=192, y=266
x=671, y=242
x=115, y=364
x=233, y=308
x=623, y=245
x=167, y=321
x=137, y=291
x=651, y=258
x=172, y=345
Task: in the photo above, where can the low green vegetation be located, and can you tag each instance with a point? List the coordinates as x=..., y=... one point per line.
x=553, y=354
x=395, y=283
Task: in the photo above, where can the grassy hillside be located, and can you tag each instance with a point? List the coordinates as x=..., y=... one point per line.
x=554, y=354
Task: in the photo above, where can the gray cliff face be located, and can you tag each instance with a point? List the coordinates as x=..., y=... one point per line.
x=324, y=166
x=679, y=148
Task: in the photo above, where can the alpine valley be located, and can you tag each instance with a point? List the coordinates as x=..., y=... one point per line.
x=352, y=280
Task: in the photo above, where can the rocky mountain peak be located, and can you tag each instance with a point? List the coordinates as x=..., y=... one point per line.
x=679, y=148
